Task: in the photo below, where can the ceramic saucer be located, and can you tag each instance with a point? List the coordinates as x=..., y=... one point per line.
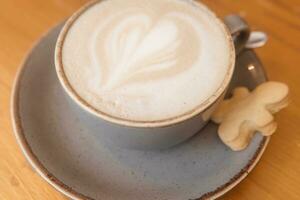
x=61, y=143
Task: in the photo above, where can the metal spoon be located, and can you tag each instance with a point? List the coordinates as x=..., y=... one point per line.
x=257, y=39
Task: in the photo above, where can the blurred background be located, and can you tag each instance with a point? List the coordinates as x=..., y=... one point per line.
x=277, y=176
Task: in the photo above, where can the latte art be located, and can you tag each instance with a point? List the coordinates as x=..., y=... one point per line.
x=146, y=60
x=140, y=48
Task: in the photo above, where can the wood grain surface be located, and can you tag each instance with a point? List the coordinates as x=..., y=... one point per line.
x=277, y=176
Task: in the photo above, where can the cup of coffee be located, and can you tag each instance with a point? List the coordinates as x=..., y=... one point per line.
x=151, y=71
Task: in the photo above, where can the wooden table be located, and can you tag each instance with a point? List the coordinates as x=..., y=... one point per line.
x=277, y=176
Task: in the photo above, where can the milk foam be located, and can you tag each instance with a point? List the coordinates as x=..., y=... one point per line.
x=146, y=60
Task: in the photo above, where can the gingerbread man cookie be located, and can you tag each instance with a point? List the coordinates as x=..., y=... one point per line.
x=247, y=112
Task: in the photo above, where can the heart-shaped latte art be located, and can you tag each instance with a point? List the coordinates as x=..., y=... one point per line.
x=132, y=47
x=147, y=60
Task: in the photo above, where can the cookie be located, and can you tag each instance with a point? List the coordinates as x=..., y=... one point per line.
x=249, y=112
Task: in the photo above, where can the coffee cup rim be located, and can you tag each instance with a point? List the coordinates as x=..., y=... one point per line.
x=136, y=123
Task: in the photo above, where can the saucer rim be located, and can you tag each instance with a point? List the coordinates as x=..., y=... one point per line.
x=68, y=191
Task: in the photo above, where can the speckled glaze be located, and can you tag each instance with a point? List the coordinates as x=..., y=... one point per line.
x=63, y=144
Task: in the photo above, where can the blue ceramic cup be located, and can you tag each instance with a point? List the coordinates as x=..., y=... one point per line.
x=164, y=133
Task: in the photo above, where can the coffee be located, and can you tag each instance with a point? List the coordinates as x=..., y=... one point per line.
x=146, y=60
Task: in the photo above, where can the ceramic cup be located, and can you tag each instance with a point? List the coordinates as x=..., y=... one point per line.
x=154, y=134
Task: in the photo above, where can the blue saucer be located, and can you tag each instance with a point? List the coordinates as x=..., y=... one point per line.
x=61, y=143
